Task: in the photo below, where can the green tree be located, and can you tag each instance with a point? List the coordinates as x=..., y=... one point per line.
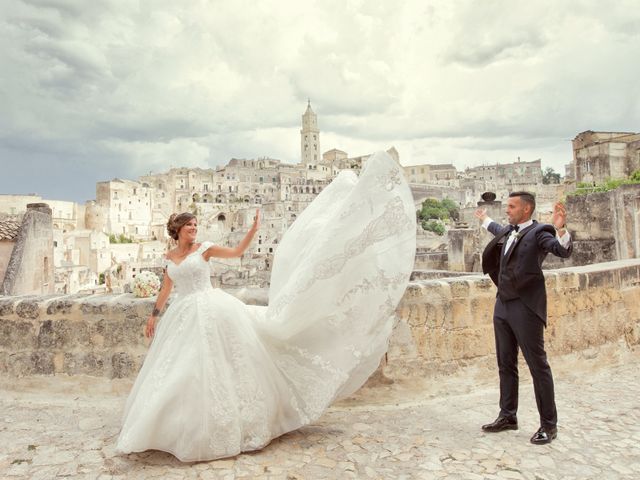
x=549, y=176
x=435, y=226
x=433, y=209
x=452, y=208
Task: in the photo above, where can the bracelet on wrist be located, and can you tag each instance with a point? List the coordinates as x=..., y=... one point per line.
x=155, y=312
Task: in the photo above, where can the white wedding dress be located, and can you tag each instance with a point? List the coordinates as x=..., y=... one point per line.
x=222, y=377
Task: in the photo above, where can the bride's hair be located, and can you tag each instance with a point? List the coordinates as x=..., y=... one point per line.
x=177, y=221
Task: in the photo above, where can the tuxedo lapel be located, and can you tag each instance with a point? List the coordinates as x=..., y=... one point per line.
x=492, y=255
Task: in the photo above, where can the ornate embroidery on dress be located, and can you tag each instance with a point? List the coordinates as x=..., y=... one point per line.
x=390, y=180
x=381, y=280
x=392, y=221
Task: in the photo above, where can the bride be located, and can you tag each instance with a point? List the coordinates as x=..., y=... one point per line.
x=222, y=377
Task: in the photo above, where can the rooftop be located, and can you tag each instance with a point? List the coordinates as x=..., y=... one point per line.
x=9, y=229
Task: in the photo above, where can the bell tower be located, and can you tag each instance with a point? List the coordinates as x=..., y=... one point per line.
x=310, y=138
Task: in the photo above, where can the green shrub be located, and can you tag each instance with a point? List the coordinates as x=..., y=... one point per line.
x=433, y=209
x=122, y=238
x=584, y=188
x=435, y=226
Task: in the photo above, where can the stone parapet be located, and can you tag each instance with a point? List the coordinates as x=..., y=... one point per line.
x=447, y=324
x=444, y=325
x=100, y=335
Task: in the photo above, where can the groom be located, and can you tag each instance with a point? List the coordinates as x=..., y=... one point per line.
x=513, y=260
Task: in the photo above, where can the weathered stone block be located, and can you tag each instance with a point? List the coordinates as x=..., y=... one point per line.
x=28, y=309
x=122, y=365
x=482, y=310
x=124, y=310
x=63, y=333
x=460, y=288
x=413, y=292
x=84, y=363
x=16, y=334
x=60, y=306
x=6, y=306
x=47, y=337
x=460, y=313
x=42, y=362
x=93, y=307
x=16, y=364
x=550, y=281
x=630, y=276
x=604, y=278
x=483, y=285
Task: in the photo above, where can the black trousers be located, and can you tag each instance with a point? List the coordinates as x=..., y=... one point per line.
x=516, y=325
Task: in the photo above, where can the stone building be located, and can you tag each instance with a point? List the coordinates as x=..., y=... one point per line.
x=599, y=156
x=513, y=176
x=436, y=174
x=128, y=207
x=29, y=268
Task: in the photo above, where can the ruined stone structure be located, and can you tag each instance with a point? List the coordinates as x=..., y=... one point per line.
x=599, y=156
x=605, y=226
x=9, y=230
x=30, y=269
x=444, y=324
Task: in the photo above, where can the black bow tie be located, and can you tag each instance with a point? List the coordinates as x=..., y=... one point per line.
x=515, y=228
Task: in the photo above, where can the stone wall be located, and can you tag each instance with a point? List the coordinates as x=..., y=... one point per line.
x=443, y=325
x=605, y=226
x=447, y=324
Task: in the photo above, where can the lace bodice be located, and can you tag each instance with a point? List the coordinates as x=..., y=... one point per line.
x=192, y=274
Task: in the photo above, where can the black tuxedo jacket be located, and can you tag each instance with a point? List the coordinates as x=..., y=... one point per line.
x=527, y=253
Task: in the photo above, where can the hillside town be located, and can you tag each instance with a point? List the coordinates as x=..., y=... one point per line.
x=101, y=245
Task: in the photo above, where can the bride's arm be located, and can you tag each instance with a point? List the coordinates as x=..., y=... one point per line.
x=237, y=251
x=163, y=295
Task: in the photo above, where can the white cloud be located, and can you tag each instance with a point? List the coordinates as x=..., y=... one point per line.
x=127, y=87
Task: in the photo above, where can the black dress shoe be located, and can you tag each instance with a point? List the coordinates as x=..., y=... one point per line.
x=544, y=435
x=500, y=424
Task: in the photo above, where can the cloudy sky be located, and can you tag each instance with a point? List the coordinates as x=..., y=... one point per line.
x=92, y=90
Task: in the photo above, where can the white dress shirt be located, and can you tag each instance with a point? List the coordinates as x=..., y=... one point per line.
x=564, y=239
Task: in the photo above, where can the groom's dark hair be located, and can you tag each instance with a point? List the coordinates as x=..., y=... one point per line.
x=526, y=197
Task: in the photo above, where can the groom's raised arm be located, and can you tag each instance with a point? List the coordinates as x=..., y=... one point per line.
x=493, y=227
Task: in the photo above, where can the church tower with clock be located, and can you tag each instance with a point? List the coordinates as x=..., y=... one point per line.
x=310, y=139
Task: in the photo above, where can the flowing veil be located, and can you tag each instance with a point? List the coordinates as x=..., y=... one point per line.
x=338, y=275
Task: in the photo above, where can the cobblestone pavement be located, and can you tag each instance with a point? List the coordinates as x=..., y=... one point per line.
x=386, y=432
